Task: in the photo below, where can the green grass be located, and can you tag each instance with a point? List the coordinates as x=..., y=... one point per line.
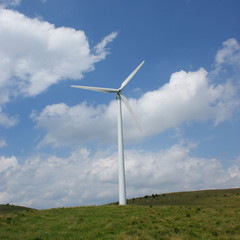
x=184, y=219
x=208, y=198
x=7, y=208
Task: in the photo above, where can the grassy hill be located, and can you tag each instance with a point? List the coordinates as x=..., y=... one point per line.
x=207, y=198
x=7, y=208
x=211, y=214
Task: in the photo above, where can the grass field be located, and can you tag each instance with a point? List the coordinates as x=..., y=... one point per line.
x=190, y=215
x=7, y=208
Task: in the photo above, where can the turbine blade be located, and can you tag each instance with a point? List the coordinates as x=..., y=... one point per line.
x=98, y=89
x=127, y=80
x=131, y=111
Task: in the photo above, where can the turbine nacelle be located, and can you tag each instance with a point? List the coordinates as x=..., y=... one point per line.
x=112, y=90
x=118, y=92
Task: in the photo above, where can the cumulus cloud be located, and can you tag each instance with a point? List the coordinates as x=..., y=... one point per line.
x=189, y=96
x=79, y=123
x=85, y=178
x=34, y=55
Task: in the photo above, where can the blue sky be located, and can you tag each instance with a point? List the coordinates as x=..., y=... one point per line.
x=58, y=145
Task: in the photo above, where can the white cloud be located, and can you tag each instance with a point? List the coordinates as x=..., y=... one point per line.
x=6, y=120
x=229, y=54
x=100, y=48
x=9, y=3
x=7, y=164
x=79, y=123
x=84, y=178
x=2, y=143
x=35, y=54
x=187, y=97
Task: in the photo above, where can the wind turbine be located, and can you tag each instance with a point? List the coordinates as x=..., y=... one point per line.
x=120, y=97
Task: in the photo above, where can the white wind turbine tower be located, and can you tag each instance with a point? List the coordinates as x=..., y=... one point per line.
x=120, y=97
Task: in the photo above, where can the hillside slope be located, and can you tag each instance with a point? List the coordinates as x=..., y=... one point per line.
x=211, y=215
x=7, y=208
x=207, y=198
